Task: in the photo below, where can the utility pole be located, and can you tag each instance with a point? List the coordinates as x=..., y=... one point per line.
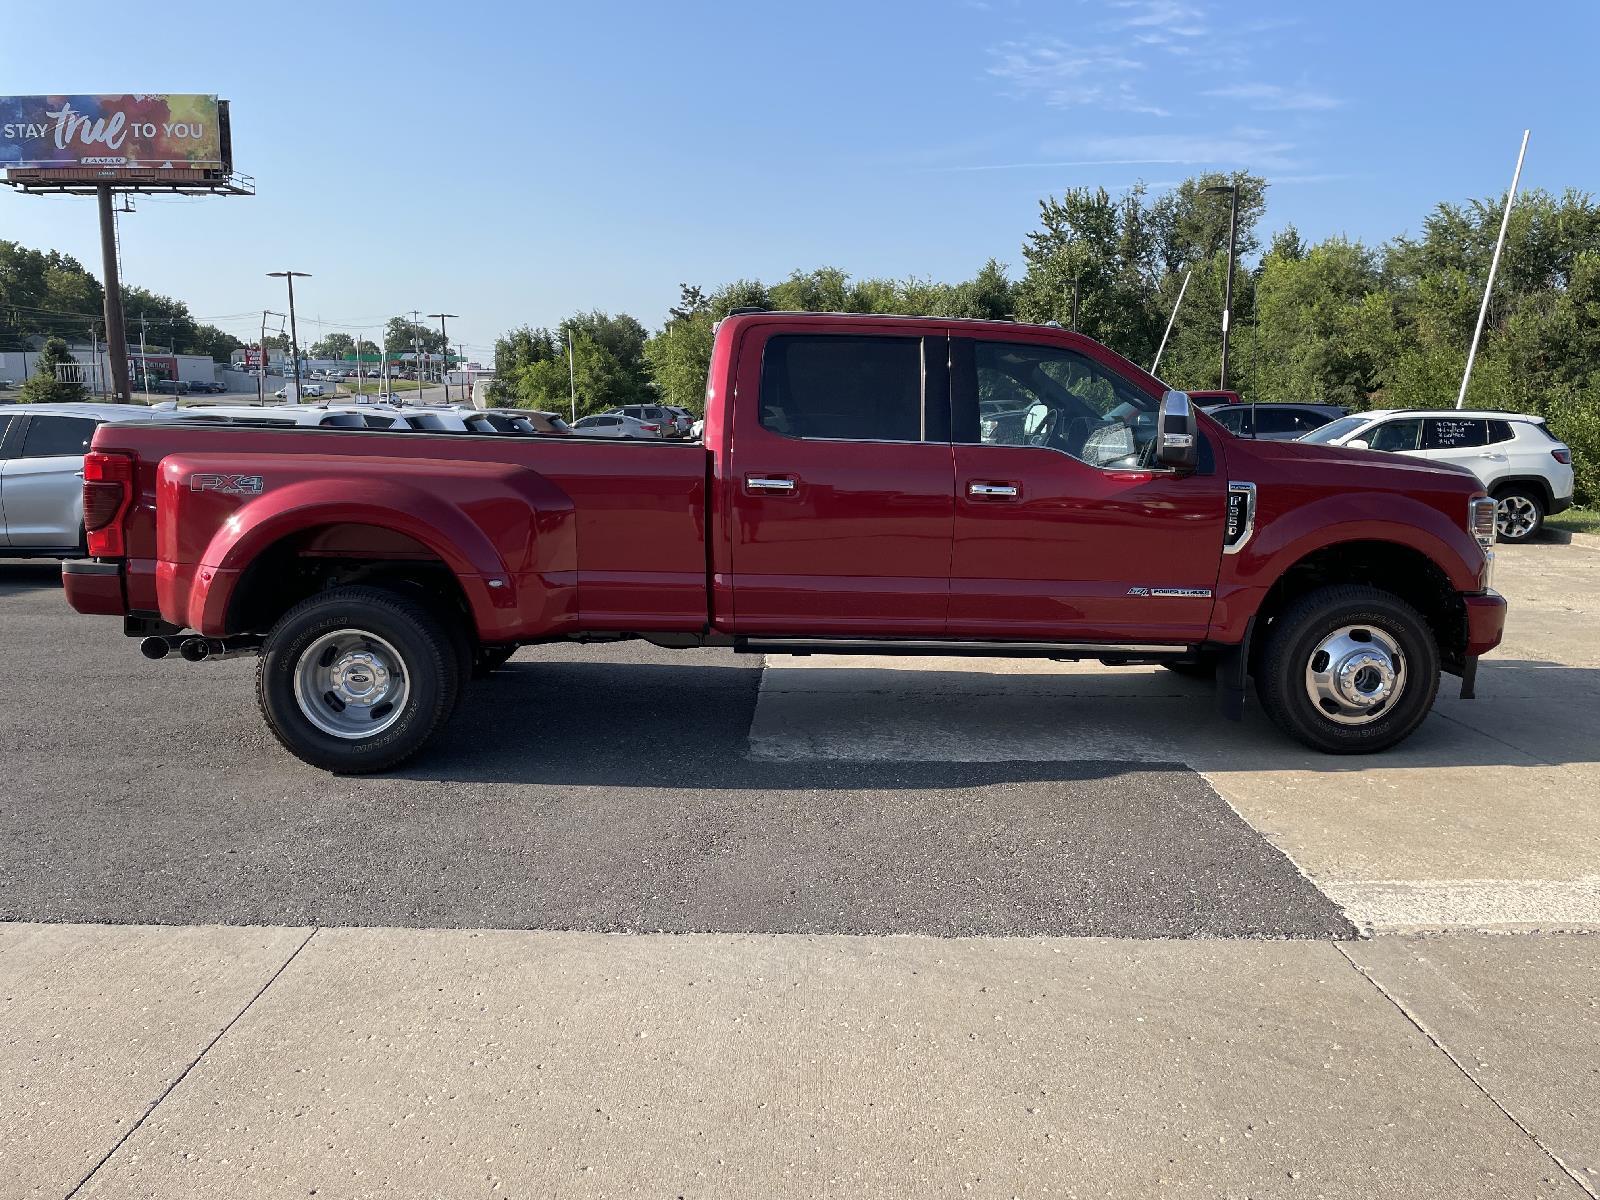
x=294, y=333
x=444, y=351
x=572, y=378
x=1227, y=295
x=416, y=353
x=94, y=357
x=1494, y=265
x=116, y=335
x=1076, y=280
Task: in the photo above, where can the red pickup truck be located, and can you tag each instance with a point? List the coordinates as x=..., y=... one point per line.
x=879, y=485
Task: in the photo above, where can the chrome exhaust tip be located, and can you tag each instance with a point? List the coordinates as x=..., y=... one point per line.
x=194, y=649
x=155, y=647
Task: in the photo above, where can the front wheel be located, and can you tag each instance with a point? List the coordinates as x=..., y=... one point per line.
x=357, y=679
x=1519, y=514
x=1348, y=670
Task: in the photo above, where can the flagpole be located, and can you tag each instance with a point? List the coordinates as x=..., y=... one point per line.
x=1494, y=265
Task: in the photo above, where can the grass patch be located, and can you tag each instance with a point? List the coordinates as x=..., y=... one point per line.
x=1575, y=520
x=395, y=385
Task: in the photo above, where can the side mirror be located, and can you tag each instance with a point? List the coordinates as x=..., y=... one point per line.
x=1358, y=444
x=1177, y=438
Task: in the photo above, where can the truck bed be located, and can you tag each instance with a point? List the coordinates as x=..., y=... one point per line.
x=612, y=531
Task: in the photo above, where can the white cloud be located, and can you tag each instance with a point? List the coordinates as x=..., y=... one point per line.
x=1066, y=75
x=1270, y=97
x=1252, y=148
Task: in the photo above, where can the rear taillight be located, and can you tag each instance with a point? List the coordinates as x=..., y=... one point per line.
x=651, y=428
x=107, y=492
x=1562, y=455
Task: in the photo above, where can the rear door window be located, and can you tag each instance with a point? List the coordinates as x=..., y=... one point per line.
x=51, y=437
x=1277, y=420
x=1396, y=436
x=843, y=387
x=1500, y=431
x=1454, y=433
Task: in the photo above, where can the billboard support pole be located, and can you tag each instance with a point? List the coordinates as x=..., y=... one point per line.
x=116, y=336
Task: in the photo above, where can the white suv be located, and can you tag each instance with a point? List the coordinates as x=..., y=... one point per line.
x=1521, y=465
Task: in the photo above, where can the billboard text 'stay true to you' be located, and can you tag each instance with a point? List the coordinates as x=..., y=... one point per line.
x=110, y=131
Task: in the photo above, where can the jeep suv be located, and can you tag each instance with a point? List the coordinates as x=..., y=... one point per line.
x=1523, y=467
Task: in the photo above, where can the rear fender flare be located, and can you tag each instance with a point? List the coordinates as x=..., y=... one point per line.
x=444, y=529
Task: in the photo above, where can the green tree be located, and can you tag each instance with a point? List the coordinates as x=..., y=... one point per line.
x=333, y=345
x=44, y=386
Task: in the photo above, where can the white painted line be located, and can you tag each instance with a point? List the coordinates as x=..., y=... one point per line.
x=1397, y=905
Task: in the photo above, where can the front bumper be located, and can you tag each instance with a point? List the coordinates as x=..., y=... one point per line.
x=1486, y=621
x=93, y=587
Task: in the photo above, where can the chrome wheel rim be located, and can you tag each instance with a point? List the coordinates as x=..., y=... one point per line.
x=1356, y=674
x=1515, y=516
x=351, y=684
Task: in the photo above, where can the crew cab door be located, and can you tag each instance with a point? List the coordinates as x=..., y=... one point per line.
x=1062, y=530
x=838, y=488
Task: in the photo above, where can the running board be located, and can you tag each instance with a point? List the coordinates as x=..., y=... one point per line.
x=1113, y=654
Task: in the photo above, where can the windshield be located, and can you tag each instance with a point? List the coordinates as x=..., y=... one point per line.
x=1334, y=430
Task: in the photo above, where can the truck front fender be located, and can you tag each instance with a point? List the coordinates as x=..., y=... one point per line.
x=1290, y=528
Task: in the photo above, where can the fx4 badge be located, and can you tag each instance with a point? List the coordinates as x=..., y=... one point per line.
x=233, y=485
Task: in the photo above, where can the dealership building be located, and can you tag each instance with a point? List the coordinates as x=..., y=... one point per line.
x=94, y=366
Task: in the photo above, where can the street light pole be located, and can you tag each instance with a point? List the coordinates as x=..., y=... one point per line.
x=294, y=335
x=444, y=351
x=1227, y=295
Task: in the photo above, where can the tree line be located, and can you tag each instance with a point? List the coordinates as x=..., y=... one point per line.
x=44, y=293
x=1335, y=321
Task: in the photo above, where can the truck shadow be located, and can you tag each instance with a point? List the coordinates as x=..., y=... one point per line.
x=18, y=576
x=652, y=724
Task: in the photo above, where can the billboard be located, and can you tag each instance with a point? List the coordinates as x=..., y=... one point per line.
x=146, y=133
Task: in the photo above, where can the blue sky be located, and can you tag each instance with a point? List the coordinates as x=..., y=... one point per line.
x=515, y=162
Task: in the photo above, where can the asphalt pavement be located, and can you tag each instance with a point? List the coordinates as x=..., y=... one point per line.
x=583, y=788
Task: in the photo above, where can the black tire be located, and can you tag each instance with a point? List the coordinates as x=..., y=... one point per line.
x=490, y=659
x=1204, y=667
x=1295, y=636
x=1519, y=513
x=427, y=660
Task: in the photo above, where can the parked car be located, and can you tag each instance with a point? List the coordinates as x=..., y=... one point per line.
x=659, y=415
x=1274, y=422
x=41, y=472
x=511, y=420
x=615, y=425
x=178, y=387
x=845, y=500
x=274, y=414
x=681, y=418
x=1518, y=460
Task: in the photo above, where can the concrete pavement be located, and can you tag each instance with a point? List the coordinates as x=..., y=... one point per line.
x=455, y=1063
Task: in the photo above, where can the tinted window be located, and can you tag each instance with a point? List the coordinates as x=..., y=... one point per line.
x=1278, y=420
x=48, y=436
x=1045, y=396
x=1231, y=419
x=1394, y=436
x=1500, y=431
x=865, y=389
x=1454, y=433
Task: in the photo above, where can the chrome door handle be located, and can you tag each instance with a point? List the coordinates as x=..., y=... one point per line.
x=770, y=485
x=991, y=489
